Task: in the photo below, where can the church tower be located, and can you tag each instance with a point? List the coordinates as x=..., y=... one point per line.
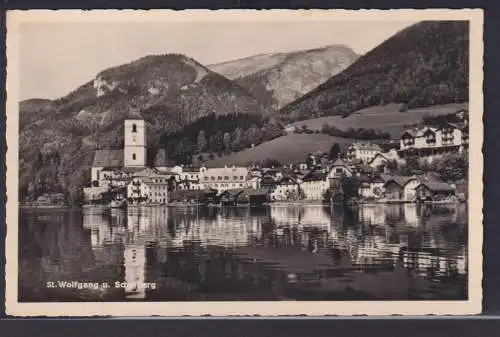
x=134, y=153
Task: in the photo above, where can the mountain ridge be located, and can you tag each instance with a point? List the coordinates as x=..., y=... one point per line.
x=278, y=78
x=168, y=91
x=422, y=65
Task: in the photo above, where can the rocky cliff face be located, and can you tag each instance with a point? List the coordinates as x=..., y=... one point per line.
x=278, y=79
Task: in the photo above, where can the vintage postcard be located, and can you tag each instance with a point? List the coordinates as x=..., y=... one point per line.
x=241, y=162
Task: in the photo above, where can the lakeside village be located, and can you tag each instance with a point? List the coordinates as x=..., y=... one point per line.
x=364, y=173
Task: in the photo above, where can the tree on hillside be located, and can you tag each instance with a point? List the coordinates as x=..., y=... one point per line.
x=250, y=135
x=212, y=143
x=423, y=65
x=227, y=141
x=237, y=140
x=350, y=186
x=310, y=161
x=270, y=162
x=334, y=152
x=452, y=167
x=392, y=165
x=202, y=141
x=218, y=141
x=327, y=195
x=411, y=166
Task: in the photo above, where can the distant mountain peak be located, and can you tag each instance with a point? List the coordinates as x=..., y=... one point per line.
x=279, y=78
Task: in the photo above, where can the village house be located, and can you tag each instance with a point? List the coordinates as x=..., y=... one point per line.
x=148, y=190
x=188, y=178
x=268, y=181
x=362, y=151
x=253, y=182
x=275, y=173
x=429, y=141
x=462, y=115
x=223, y=178
x=379, y=163
x=50, y=199
x=255, y=172
x=244, y=196
x=314, y=185
x=287, y=188
x=193, y=196
x=400, y=188
x=339, y=169
x=372, y=188
x=94, y=193
x=434, y=191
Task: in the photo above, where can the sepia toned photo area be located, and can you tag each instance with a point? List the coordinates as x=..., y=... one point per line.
x=234, y=161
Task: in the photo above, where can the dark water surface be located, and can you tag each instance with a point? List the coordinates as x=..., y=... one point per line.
x=263, y=254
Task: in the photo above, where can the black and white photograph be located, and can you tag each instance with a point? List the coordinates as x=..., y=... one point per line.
x=240, y=162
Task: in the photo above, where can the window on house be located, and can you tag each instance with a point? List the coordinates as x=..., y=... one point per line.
x=133, y=156
x=134, y=128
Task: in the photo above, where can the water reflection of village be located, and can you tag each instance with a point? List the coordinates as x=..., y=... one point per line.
x=184, y=251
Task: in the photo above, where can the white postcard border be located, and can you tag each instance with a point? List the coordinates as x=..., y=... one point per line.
x=471, y=306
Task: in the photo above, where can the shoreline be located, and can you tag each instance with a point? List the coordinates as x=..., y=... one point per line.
x=270, y=204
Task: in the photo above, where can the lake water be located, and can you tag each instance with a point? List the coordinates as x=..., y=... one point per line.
x=382, y=252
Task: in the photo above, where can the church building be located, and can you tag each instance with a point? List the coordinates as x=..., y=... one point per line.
x=120, y=164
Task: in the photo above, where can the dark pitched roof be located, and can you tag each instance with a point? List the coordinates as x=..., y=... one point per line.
x=287, y=180
x=377, y=179
x=339, y=162
x=377, y=155
x=400, y=180
x=389, y=145
x=256, y=192
x=436, y=186
x=367, y=146
x=365, y=168
x=108, y=158
x=314, y=176
x=411, y=132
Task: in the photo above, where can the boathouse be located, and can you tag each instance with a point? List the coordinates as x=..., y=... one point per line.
x=434, y=191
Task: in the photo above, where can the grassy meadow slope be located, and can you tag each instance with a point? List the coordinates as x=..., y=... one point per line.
x=385, y=118
x=291, y=148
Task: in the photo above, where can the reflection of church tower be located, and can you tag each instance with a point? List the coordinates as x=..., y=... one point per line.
x=134, y=153
x=135, y=262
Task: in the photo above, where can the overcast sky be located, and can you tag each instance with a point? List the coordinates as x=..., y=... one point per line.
x=56, y=58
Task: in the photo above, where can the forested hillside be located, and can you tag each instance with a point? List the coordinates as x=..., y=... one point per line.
x=423, y=65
